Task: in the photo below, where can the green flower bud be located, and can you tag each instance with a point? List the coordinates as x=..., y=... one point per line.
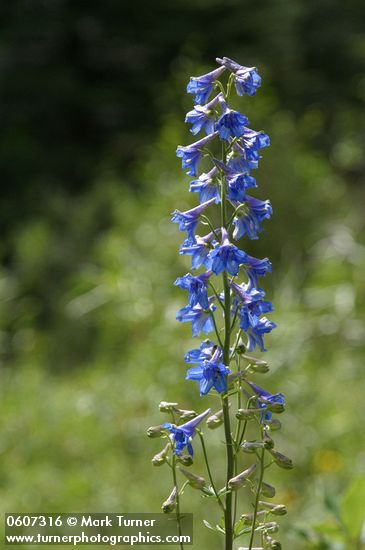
x=268, y=442
x=187, y=460
x=170, y=503
x=160, y=458
x=271, y=527
x=215, y=420
x=257, y=365
x=248, y=518
x=195, y=481
x=273, y=544
x=276, y=509
x=281, y=460
x=237, y=482
x=274, y=424
x=167, y=407
x=268, y=490
x=251, y=446
x=247, y=414
x=155, y=431
x=186, y=415
x=274, y=407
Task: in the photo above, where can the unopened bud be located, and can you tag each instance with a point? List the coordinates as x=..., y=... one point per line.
x=154, y=431
x=186, y=415
x=160, y=458
x=247, y=519
x=268, y=490
x=167, y=407
x=281, y=460
x=195, y=481
x=215, y=420
x=187, y=460
x=268, y=441
x=247, y=414
x=271, y=527
x=274, y=424
x=257, y=365
x=238, y=481
x=276, y=509
x=251, y=446
x=170, y=504
x=273, y=407
x=273, y=544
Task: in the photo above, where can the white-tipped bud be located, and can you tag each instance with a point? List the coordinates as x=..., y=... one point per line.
x=197, y=482
x=186, y=415
x=251, y=446
x=256, y=365
x=187, y=460
x=170, y=503
x=274, y=424
x=237, y=482
x=154, y=431
x=273, y=544
x=160, y=458
x=215, y=420
x=247, y=414
x=167, y=407
x=271, y=527
x=276, y=509
x=247, y=519
x=268, y=490
x=281, y=460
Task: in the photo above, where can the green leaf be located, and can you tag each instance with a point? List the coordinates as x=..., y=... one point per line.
x=353, y=507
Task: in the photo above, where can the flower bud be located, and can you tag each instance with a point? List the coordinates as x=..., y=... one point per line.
x=268, y=441
x=276, y=509
x=281, y=460
x=170, y=503
x=251, y=446
x=247, y=414
x=274, y=424
x=238, y=481
x=268, y=490
x=195, y=481
x=257, y=365
x=186, y=415
x=273, y=544
x=215, y=420
x=272, y=406
x=160, y=458
x=155, y=431
x=247, y=519
x=167, y=407
x=272, y=527
x=187, y=460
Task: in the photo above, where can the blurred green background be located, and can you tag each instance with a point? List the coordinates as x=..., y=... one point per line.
x=92, y=103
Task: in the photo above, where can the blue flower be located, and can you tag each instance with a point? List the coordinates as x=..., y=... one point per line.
x=257, y=268
x=204, y=352
x=237, y=185
x=197, y=287
x=189, y=220
x=203, y=117
x=182, y=435
x=265, y=398
x=226, y=257
x=198, y=250
x=201, y=319
x=255, y=330
x=201, y=86
x=191, y=154
x=240, y=160
x=253, y=141
x=250, y=222
x=231, y=124
x=207, y=186
x=247, y=79
x=210, y=374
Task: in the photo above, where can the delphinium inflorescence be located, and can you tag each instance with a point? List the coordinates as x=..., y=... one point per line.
x=226, y=299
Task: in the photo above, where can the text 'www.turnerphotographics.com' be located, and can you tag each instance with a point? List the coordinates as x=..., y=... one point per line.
x=91, y=529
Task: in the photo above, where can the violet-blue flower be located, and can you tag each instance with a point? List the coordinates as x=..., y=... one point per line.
x=197, y=287
x=182, y=435
x=226, y=257
x=198, y=250
x=231, y=124
x=189, y=219
x=210, y=374
x=247, y=79
x=257, y=268
x=207, y=186
x=203, y=117
x=265, y=398
x=201, y=86
x=249, y=222
x=191, y=154
x=204, y=352
x=201, y=319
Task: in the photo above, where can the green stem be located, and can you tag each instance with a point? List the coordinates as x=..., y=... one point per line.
x=216, y=330
x=178, y=519
x=262, y=469
x=208, y=469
